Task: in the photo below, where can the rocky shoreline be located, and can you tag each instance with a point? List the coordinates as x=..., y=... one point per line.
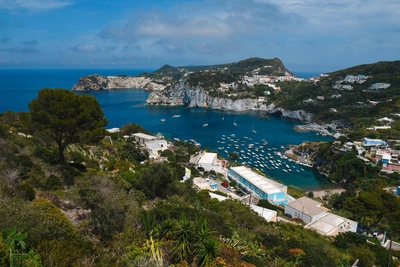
x=96, y=82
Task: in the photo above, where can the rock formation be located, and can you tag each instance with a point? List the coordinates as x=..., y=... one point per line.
x=97, y=82
x=182, y=94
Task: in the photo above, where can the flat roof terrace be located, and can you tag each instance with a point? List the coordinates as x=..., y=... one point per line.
x=263, y=183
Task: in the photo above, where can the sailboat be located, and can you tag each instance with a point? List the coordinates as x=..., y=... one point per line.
x=234, y=122
x=176, y=115
x=253, y=131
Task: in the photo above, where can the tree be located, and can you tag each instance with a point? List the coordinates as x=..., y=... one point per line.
x=66, y=117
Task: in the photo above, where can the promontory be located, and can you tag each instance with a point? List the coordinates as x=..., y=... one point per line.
x=96, y=82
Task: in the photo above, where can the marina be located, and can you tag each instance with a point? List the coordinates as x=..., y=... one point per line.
x=124, y=106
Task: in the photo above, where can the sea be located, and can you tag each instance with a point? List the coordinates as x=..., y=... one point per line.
x=259, y=139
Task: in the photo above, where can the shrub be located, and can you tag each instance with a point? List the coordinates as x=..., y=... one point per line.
x=25, y=191
x=57, y=223
x=52, y=183
x=48, y=156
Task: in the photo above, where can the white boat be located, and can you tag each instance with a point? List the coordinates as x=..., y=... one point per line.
x=234, y=122
x=205, y=124
x=162, y=120
x=176, y=115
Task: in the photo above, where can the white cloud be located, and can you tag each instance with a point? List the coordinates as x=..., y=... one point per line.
x=33, y=5
x=85, y=49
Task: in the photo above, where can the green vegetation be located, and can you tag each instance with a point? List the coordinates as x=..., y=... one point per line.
x=115, y=207
x=67, y=118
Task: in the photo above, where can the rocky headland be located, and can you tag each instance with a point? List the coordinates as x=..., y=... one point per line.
x=96, y=82
x=183, y=94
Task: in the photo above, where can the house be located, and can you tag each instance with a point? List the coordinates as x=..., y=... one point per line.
x=347, y=87
x=153, y=144
x=320, y=97
x=264, y=188
x=332, y=224
x=306, y=209
x=385, y=119
x=381, y=127
x=373, y=142
x=378, y=86
x=142, y=138
x=156, y=145
x=318, y=218
x=209, y=161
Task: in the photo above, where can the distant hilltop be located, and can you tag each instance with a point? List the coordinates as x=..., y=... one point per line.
x=250, y=66
x=167, y=75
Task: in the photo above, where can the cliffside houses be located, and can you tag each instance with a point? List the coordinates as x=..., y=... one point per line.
x=360, y=78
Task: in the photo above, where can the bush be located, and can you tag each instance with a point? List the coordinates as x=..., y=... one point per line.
x=25, y=191
x=48, y=156
x=68, y=174
x=57, y=223
x=52, y=183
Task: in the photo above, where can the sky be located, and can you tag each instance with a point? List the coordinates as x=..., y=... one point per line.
x=307, y=35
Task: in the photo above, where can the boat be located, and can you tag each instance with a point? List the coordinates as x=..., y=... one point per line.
x=176, y=115
x=234, y=122
x=162, y=120
x=205, y=124
x=253, y=131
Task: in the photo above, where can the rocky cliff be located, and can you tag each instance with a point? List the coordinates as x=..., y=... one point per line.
x=97, y=82
x=182, y=94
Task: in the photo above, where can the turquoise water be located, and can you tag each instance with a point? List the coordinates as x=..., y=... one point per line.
x=122, y=106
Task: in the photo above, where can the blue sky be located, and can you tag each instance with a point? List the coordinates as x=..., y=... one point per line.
x=307, y=35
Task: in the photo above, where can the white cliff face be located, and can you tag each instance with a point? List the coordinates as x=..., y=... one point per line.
x=96, y=82
x=182, y=94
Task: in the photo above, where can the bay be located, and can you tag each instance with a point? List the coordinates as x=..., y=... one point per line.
x=121, y=106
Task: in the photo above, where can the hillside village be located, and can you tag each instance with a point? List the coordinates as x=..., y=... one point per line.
x=124, y=199
x=250, y=186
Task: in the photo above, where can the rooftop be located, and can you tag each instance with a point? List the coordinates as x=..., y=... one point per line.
x=307, y=206
x=208, y=158
x=267, y=185
x=144, y=136
x=331, y=224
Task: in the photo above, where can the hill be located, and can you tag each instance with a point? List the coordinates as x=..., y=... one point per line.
x=248, y=66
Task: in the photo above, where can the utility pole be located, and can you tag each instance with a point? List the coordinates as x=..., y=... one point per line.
x=390, y=250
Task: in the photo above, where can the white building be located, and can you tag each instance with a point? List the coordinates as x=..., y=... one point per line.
x=306, y=209
x=318, y=218
x=156, y=145
x=142, y=138
x=209, y=161
x=259, y=185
